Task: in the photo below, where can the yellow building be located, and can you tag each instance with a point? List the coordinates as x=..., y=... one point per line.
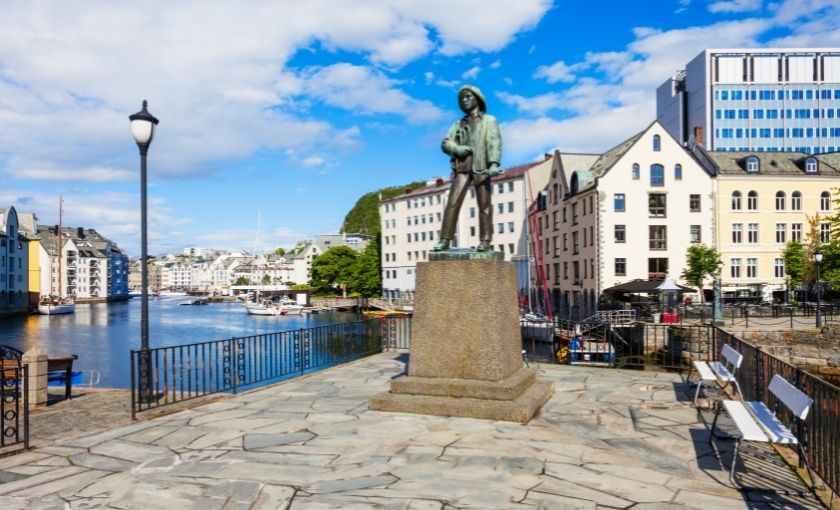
x=764, y=200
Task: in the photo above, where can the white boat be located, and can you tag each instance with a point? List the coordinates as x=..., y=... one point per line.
x=54, y=306
x=290, y=307
x=265, y=308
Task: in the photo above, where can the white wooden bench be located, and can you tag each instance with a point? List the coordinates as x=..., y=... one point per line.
x=756, y=422
x=719, y=371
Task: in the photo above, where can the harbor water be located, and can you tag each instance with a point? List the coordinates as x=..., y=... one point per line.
x=102, y=335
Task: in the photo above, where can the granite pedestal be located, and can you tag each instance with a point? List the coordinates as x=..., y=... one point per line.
x=466, y=346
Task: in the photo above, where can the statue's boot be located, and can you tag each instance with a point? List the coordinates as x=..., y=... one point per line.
x=443, y=245
x=484, y=246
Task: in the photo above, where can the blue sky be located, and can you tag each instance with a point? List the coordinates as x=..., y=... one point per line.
x=295, y=108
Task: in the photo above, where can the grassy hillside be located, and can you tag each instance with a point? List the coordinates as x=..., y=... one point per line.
x=364, y=216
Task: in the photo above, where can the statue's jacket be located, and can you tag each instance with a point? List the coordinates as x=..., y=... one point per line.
x=485, y=140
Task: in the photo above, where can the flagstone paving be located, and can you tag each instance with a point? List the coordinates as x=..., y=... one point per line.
x=607, y=439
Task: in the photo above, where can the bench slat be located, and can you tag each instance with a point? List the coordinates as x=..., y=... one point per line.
x=704, y=370
x=774, y=428
x=750, y=431
x=721, y=371
x=797, y=401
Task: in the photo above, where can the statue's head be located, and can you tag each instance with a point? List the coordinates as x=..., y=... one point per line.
x=464, y=101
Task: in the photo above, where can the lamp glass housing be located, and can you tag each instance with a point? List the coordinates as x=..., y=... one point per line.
x=818, y=256
x=143, y=131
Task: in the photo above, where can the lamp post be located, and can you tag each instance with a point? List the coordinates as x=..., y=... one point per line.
x=717, y=303
x=143, y=129
x=818, y=256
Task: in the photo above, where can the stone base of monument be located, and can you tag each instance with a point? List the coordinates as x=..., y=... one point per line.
x=466, y=346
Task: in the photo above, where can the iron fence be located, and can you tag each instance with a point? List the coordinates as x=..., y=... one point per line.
x=820, y=432
x=168, y=375
x=14, y=403
x=802, y=315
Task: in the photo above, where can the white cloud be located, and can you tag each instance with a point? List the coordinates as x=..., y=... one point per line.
x=496, y=64
x=450, y=84
x=558, y=71
x=365, y=91
x=535, y=105
x=313, y=161
x=429, y=77
x=471, y=73
x=735, y=6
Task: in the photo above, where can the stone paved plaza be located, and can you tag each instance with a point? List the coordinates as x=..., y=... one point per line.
x=607, y=439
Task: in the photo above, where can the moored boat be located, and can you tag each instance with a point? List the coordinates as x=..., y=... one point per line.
x=55, y=306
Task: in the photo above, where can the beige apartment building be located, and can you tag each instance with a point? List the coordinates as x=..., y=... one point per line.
x=627, y=214
x=411, y=224
x=764, y=201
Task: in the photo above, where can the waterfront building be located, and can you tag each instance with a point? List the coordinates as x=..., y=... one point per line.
x=764, y=200
x=755, y=100
x=410, y=224
x=629, y=213
x=93, y=268
x=14, y=264
x=304, y=252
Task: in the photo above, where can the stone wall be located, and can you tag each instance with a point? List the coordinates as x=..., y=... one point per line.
x=814, y=351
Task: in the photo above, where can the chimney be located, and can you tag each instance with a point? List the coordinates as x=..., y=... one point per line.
x=56, y=230
x=698, y=135
x=439, y=181
x=81, y=232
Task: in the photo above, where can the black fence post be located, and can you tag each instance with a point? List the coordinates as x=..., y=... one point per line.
x=791, y=318
x=234, y=371
x=25, y=406
x=300, y=333
x=802, y=427
x=746, y=317
x=133, y=388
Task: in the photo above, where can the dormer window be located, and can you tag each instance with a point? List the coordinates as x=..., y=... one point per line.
x=657, y=143
x=811, y=166
x=752, y=164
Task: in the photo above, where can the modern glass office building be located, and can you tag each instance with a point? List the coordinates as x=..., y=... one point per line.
x=756, y=100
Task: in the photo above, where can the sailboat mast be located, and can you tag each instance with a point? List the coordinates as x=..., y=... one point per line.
x=58, y=242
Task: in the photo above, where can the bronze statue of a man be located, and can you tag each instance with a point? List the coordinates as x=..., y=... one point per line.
x=474, y=145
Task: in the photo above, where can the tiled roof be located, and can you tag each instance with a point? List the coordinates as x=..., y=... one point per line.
x=773, y=163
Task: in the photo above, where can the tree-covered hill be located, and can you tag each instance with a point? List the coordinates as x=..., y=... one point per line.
x=364, y=216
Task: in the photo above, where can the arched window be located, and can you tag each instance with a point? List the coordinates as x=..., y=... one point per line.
x=678, y=172
x=636, y=172
x=825, y=201
x=780, y=200
x=752, y=200
x=657, y=175
x=736, y=200
x=811, y=165
x=657, y=143
x=752, y=164
x=796, y=201
x=573, y=185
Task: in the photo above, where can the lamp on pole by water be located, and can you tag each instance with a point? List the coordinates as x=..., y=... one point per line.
x=143, y=126
x=818, y=256
x=717, y=303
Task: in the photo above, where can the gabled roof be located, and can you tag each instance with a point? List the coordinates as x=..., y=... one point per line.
x=772, y=163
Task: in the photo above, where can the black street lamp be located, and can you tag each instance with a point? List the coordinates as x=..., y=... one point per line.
x=143, y=129
x=818, y=256
x=717, y=303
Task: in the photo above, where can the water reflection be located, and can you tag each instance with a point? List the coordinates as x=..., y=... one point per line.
x=103, y=334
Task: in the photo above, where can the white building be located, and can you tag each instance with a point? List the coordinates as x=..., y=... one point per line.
x=630, y=213
x=756, y=100
x=411, y=223
x=302, y=255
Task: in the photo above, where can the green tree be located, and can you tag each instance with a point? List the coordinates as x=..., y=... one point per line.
x=333, y=267
x=364, y=216
x=266, y=279
x=280, y=251
x=242, y=280
x=796, y=265
x=700, y=262
x=367, y=278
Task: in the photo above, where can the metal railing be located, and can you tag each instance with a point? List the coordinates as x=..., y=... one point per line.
x=14, y=401
x=820, y=432
x=169, y=375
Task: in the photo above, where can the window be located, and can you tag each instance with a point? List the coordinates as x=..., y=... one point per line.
x=657, y=143
x=736, y=233
x=657, y=175
x=752, y=267
x=825, y=201
x=565, y=242
x=656, y=205
x=636, y=172
x=694, y=203
x=472, y=231
x=575, y=245
x=825, y=232
x=472, y=212
x=575, y=213
x=501, y=228
x=781, y=233
x=736, y=200
x=752, y=164
x=796, y=201
x=779, y=268
x=796, y=232
x=618, y=202
x=657, y=267
x=752, y=200
x=510, y=207
x=780, y=200
x=510, y=186
x=811, y=165
x=752, y=233
x=678, y=172
x=694, y=234
x=735, y=268
x=621, y=267
x=620, y=234
x=658, y=237
x=501, y=207
x=501, y=188
x=510, y=227
x=565, y=216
